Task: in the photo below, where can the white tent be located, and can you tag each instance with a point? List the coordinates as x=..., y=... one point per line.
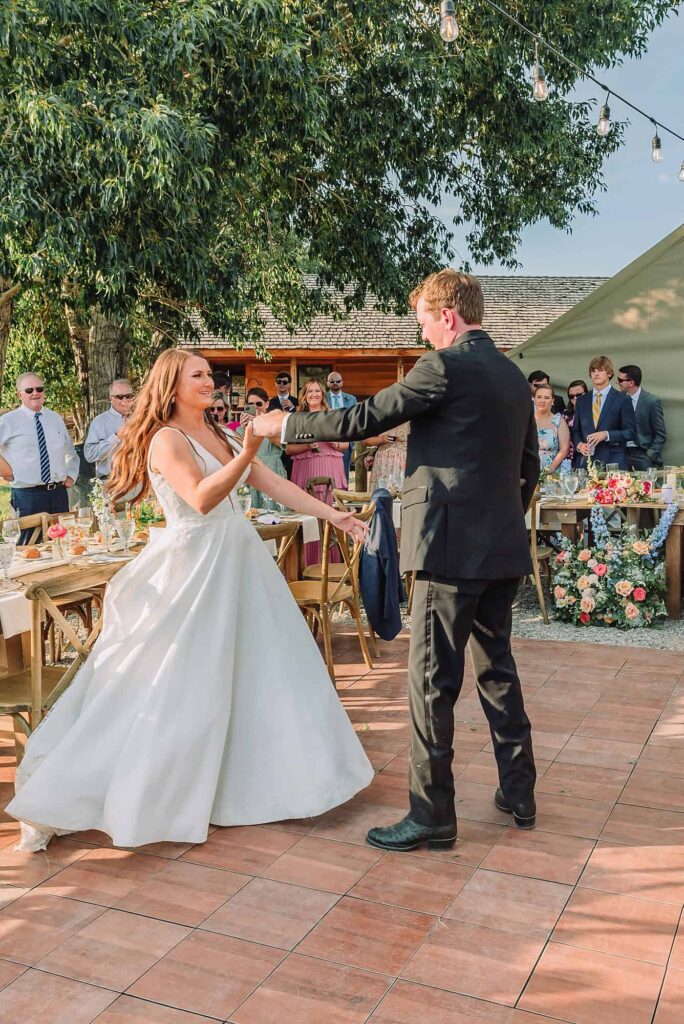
x=636, y=317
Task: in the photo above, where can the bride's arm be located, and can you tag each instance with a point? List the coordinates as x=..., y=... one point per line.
x=287, y=493
x=172, y=457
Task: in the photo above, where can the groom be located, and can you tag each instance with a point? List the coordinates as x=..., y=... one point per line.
x=472, y=467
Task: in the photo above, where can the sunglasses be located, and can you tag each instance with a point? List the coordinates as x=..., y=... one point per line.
x=624, y=380
x=282, y=381
x=122, y=398
x=217, y=409
x=29, y=391
x=259, y=405
x=334, y=380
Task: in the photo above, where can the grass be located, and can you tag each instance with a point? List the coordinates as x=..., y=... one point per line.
x=4, y=501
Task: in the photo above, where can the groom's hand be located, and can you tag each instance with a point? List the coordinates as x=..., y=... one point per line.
x=269, y=425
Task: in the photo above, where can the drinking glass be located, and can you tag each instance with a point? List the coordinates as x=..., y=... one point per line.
x=581, y=478
x=570, y=483
x=7, y=551
x=612, y=467
x=107, y=531
x=125, y=529
x=11, y=531
x=85, y=519
x=244, y=500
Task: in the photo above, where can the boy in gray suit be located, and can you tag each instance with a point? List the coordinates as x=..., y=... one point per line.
x=647, y=450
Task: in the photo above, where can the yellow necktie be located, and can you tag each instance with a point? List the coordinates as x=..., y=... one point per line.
x=597, y=407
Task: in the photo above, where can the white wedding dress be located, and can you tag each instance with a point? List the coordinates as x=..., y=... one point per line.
x=204, y=700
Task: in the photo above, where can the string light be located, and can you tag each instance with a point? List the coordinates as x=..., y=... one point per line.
x=540, y=90
x=449, y=31
x=656, y=147
x=603, y=126
x=448, y=26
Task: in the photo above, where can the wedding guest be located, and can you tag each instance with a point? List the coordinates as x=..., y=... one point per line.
x=219, y=408
x=104, y=432
x=35, y=443
x=604, y=419
x=538, y=378
x=552, y=430
x=575, y=389
x=269, y=453
x=324, y=458
x=389, y=458
x=339, y=399
x=647, y=450
x=222, y=383
x=287, y=403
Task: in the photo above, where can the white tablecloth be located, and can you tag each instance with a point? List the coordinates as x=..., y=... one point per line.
x=15, y=610
x=309, y=527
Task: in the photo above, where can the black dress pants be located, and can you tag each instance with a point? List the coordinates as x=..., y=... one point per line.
x=446, y=615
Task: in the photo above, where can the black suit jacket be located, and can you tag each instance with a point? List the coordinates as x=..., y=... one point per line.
x=650, y=426
x=473, y=438
x=274, y=403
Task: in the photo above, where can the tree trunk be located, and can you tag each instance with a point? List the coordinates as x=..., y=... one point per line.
x=101, y=351
x=108, y=355
x=7, y=293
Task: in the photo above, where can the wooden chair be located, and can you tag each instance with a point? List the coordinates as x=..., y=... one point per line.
x=338, y=571
x=29, y=694
x=541, y=555
x=285, y=534
x=38, y=523
x=318, y=597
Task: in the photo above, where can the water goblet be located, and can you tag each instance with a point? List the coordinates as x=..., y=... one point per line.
x=11, y=531
x=7, y=551
x=125, y=529
x=244, y=500
x=85, y=519
x=652, y=474
x=570, y=483
x=582, y=478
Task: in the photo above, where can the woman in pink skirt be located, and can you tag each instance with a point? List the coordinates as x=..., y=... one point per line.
x=322, y=458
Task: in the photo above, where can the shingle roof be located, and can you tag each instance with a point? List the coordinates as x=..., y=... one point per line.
x=516, y=308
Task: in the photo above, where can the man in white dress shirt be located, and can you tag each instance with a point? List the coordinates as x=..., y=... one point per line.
x=339, y=399
x=35, y=443
x=103, y=436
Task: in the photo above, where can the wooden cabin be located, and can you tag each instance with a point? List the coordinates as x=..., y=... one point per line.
x=371, y=349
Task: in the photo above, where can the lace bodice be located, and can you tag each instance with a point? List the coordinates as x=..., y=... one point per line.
x=176, y=511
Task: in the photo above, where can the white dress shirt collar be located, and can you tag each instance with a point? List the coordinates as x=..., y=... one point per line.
x=635, y=397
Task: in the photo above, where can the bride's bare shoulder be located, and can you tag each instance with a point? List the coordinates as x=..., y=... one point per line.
x=167, y=443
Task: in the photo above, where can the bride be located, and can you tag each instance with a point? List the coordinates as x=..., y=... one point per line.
x=205, y=699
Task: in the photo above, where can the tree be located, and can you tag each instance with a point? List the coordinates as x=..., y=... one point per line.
x=196, y=155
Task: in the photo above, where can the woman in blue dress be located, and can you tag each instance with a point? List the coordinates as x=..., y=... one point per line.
x=553, y=432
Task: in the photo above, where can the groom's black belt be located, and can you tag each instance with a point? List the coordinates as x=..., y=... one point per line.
x=43, y=487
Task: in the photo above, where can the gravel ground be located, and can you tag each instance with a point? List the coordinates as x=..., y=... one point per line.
x=528, y=623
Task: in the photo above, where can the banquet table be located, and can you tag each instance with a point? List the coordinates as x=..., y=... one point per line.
x=569, y=515
x=307, y=534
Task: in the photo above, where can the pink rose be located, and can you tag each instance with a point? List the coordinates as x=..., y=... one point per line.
x=584, y=618
x=624, y=588
x=631, y=611
x=647, y=486
x=600, y=569
x=620, y=494
x=587, y=604
x=56, y=531
x=639, y=594
x=584, y=555
x=559, y=592
x=561, y=557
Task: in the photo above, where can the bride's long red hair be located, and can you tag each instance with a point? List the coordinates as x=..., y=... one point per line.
x=151, y=411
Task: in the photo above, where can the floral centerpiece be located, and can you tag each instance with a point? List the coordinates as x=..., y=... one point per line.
x=99, y=502
x=618, y=581
x=147, y=513
x=617, y=488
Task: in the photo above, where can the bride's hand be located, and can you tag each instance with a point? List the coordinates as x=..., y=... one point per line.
x=250, y=443
x=348, y=523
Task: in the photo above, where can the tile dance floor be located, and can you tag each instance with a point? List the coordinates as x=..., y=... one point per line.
x=303, y=923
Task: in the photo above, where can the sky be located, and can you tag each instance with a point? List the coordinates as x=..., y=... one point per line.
x=644, y=201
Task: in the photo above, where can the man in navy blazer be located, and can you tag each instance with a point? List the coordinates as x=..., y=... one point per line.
x=604, y=419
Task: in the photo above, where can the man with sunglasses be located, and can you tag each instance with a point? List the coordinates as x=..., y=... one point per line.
x=105, y=430
x=35, y=442
x=339, y=399
x=284, y=402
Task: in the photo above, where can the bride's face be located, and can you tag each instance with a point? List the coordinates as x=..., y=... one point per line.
x=195, y=384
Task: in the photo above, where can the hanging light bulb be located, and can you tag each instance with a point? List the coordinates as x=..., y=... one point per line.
x=603, y=126
x=681, y=172
x=448, y=26
x=656, y=148
x=540, y=90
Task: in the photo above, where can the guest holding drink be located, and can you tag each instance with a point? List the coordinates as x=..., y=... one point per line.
x=552, y=430
x=318, y=458
x=389, y=458
x=269, y=453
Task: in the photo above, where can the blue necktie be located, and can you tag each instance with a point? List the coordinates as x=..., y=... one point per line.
x=42, y=451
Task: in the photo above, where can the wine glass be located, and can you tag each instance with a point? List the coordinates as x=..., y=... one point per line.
x=7, y=551
x=581, y=478
x=125, y=529
x=652, y=474
x=85, y=519
x=244, y=499
x=11, y=531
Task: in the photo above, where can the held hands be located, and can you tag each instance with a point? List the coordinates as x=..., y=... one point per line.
x=250, y=443
x=346, y=522
x=269, y=425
